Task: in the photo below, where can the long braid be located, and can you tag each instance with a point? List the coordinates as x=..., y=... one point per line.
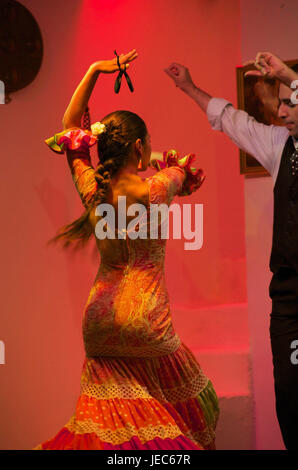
x=113, y=146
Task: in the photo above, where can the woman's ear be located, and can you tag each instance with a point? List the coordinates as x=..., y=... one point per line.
x=139, y=147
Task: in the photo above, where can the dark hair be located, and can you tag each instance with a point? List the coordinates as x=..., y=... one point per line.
x=295, y=67
x=123, y=128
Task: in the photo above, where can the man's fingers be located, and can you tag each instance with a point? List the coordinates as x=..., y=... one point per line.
x=262, y=60
x=264, y=64
x=260, y=57
x=263, y=55
x=171, y=73
x=254, y=73
x=249, y=62
x=175, y=64
x=168, y=73
x=174, y=68
x=261, y=68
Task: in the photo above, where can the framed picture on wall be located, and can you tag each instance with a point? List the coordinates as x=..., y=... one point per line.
x=257, y=96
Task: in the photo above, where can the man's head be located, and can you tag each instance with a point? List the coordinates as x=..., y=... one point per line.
x=287, y=110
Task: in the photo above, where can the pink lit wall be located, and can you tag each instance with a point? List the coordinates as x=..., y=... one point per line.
x=44, y=290
x=269, y=25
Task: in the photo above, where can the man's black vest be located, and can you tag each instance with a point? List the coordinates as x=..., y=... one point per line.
x=285, y=225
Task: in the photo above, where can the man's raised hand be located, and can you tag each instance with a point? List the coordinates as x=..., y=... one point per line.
x=267, y=65
x=180, y=75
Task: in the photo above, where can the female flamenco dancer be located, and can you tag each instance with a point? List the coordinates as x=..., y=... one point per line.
x=141, y=388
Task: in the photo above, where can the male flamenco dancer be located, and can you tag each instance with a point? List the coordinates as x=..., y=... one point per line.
x=276, y=148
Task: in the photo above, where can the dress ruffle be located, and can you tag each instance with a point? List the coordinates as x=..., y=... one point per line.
x=194, y=176
x=73, y=139
x=77, y=139
x=149, y=403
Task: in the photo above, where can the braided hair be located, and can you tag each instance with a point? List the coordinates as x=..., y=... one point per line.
x=123, y=128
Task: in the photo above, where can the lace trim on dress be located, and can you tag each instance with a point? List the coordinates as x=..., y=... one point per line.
x=125, y=433
x=148, y=350
x=127, y=390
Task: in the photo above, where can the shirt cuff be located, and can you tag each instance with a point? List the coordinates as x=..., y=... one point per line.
x=214, y=112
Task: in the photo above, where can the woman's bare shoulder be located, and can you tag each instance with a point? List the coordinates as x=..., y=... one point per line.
x=133, y=187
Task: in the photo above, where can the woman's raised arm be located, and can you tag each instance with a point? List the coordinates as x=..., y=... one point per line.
x=79, y=101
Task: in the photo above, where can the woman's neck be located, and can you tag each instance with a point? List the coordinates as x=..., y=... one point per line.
x=129, y=170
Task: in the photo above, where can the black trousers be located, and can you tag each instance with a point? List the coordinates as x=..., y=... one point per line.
x=284, y=343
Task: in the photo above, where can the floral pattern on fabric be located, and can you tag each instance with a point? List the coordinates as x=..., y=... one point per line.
x=76, y=143
x=141, y=388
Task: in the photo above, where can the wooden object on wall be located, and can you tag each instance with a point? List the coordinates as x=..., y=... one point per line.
x=21, y=46
x=257, y=96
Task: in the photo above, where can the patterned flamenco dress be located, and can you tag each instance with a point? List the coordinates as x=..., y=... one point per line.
x=141, y=388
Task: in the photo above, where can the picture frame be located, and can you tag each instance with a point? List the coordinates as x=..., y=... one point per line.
x=258, y=96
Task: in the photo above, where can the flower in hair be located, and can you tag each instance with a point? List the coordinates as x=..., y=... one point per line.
x=98, y=128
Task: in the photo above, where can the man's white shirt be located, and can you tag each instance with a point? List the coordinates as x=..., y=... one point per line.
x=265, y=143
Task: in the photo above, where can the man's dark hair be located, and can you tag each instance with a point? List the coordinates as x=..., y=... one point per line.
x=295, y=68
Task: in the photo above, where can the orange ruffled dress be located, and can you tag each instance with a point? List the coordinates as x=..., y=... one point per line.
x=141, y=388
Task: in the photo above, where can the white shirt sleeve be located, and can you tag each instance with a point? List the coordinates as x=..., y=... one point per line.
x=263, y=142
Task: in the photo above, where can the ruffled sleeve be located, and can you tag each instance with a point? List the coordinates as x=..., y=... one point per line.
x=71, y=139
x=76, y=143
x=194, y=177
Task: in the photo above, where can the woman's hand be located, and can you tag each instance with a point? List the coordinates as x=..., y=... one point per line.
x=75, y=110
x=180, y=76
x=271, y=66
x=111, y=66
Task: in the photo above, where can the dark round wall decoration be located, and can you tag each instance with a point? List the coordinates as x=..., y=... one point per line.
x=21, y=47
